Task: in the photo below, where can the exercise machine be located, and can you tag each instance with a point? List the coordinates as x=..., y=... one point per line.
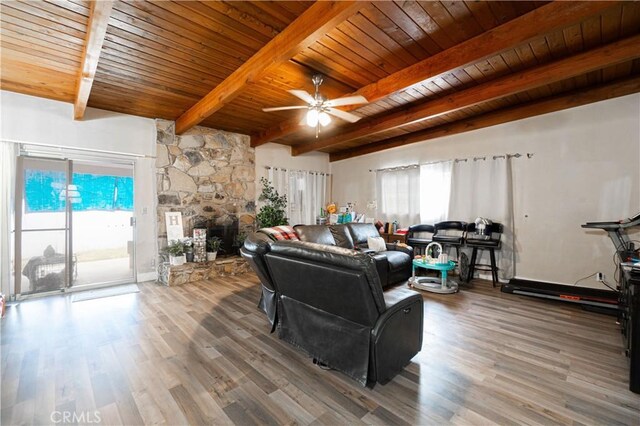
x=606, y=301
x=618, y=233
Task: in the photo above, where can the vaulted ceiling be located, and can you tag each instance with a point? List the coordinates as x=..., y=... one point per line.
x=428, y=69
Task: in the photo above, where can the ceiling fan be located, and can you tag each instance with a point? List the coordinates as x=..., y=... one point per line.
x=319, y=107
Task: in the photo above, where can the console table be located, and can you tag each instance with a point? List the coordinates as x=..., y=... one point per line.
x=392, y=238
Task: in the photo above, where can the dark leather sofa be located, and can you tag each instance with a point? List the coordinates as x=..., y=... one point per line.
x=331, y=305
x=393, y=265
x=255, y=246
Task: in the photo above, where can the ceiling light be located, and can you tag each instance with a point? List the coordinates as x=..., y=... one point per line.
x=312, y=117
x=324, y=118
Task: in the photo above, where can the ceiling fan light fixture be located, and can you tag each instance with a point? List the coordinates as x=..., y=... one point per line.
x=319, y=108
x=324, y=118
x=312, y=117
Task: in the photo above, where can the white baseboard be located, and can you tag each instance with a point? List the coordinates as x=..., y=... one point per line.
x=147, y=276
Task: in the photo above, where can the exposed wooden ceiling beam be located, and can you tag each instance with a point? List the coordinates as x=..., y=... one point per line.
x=542, y=20
x=96, y=31
x=557, y=103
x=582, y=63
x=314, y=23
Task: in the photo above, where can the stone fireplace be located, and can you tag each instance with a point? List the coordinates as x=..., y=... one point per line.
x=209, y=176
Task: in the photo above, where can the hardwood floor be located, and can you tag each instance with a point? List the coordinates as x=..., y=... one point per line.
x=202, y=354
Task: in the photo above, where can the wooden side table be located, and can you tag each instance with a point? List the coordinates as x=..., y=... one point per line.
x=394, y=238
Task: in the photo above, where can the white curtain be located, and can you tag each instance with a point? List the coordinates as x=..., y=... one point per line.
x=435, y=186
x=305, y=193
x=279, y=180
x=398, y=194
x=8, y=154
x=305, y=196
x=483, y=188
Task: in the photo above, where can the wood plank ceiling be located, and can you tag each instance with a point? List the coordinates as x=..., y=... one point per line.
x=159, y=58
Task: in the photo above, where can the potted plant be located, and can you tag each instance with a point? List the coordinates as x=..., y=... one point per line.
x=176, y=252
x=273, y=212
x=238, y=242
x=188, y=248
x=213, y=247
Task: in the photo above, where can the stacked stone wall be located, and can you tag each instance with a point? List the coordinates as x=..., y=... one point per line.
x=208, y=175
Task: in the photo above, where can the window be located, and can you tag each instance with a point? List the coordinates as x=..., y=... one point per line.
x=435, y=188
x=398, y=193
x=88, y=191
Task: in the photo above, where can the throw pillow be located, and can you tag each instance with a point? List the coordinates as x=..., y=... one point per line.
x=376, y=243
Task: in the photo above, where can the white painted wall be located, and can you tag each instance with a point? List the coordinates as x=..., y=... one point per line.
x=277, y=155
x=35, y=120
x=586, y=167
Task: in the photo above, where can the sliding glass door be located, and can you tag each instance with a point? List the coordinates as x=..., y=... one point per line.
x=42, y=226
x=74, y=224
x=102, y=223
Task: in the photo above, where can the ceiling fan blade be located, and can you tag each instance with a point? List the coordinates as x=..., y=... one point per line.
x=347, y=100
x=347, y=116
x=284, y=108
x=301, y=94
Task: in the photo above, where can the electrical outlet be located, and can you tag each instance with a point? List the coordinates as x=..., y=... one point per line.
x=599, y=276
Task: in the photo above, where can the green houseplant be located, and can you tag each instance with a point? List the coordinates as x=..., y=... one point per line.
x=273, y=212
x=176, y=252
x=213, y=247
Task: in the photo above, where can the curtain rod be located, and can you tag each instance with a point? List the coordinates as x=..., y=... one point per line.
x=455, y=160
x=293, y=170
x=72, y=149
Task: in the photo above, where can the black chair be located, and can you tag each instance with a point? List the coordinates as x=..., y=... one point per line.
x=489, y=240
x=450, y=234
x=417, y=239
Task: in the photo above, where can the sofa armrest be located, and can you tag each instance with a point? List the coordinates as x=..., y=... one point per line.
x=382, y=266
x=403, y=248
x=395, y=299
x=397, y=335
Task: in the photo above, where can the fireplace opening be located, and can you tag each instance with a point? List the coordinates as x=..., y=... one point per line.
x=228, y=235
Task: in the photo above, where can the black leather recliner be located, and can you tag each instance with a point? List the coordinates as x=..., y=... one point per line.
x=255, y=247
x=331, y=305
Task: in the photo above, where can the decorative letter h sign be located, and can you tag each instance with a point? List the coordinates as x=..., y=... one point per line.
x=174, y=226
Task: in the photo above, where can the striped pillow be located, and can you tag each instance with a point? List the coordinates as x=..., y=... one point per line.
x=280, y=233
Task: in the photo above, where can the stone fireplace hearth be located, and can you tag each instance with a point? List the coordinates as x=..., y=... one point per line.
x=208, y=175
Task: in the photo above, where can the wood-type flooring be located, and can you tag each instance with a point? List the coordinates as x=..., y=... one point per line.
x=202, y=354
